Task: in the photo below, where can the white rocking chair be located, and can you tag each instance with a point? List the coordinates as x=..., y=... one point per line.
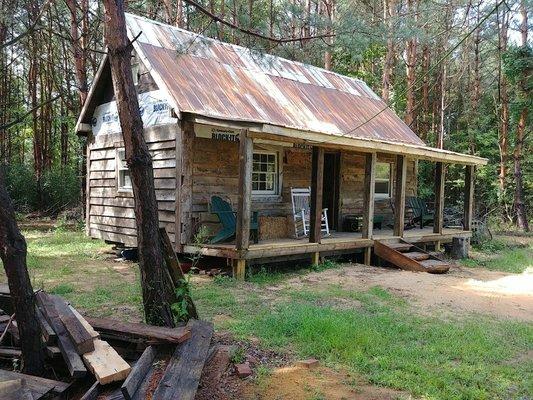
x=301, y=211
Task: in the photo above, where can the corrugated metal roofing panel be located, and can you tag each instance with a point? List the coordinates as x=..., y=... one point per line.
x=225, y=81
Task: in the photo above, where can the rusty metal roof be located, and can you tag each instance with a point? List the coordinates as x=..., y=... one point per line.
x=224, y=81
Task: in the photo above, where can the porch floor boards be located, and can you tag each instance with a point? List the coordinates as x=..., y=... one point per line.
x=336, y=241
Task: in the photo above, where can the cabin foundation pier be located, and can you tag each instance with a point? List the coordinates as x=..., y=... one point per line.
x=239, y=269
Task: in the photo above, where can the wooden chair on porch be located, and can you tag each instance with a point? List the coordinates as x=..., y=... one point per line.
x=228, y=220
x=301, y=211
x=421, y=212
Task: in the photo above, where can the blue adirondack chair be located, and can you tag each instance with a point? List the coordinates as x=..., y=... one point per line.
x=228, y=220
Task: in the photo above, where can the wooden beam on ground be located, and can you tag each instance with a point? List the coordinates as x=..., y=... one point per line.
x=368, y=195
x=139, y=332
x=38, y=386
x=80, y=336
x=92, y=393
x=244, y=202
x=439, y=197
x=399, y=195
x=184, y=370
x=317, y=182
x=106, y=364
x=49, y=335
x=138, y=373
x=68, y=350
x=470, y=172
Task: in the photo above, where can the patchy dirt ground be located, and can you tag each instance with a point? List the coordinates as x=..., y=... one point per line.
x=461, y=290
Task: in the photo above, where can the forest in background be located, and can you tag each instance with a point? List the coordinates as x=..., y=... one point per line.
x=458, y=72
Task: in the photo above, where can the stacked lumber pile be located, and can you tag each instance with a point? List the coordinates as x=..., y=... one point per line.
x=162, y=363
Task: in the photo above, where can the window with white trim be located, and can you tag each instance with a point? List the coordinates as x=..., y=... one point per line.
x=265, y=173
x=123, y=173
x=383, y=180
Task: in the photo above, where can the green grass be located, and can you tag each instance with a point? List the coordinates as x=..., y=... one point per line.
x=502, y=255
x=468, y=358
x=370, y=332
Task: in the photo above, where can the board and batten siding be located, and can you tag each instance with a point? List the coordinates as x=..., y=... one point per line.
x=215, y=169
x=110, y=212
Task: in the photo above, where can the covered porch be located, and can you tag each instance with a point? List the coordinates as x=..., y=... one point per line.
x=241, y=250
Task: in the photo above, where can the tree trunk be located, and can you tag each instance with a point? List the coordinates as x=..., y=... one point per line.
x=504, y=101
x=519, y=204
x=389, y=12
x=411, y=46
x=158, y=293
x=13, y=254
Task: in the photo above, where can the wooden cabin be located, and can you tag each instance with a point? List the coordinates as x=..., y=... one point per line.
x=225, y=120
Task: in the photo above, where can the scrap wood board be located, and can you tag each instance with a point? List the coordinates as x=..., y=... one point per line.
x=182, y=376
x=37, y=386
x=105, y=363
x=151, y=334
x=77, y=331
x=70, y=355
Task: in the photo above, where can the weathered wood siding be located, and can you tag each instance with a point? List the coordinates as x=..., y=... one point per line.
x=215, y=172
x=111, y=214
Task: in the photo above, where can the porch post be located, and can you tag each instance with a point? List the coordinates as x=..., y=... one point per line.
x=317, y=180
x=399, y=195
x=244, y=203
x=469, y=197
x=439, y=197
x=368, y=201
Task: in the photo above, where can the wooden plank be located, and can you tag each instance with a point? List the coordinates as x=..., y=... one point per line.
x=49, y=335
x=37, y=385
x=92, y=393
x=138, y=372
x=185, y=207
x=111, y=153
x=148, y=333
x=317, y=182
x=8, y=353
x=70, y=355
x=399, y=195
x=83, y=321
x=81, y=338
x=470, y=172
x=244, y=202
x=111, y=215
x=439, y=197
x=90, y=139
x=368, y=195
x=183, y=373
x=179, y=179
x=105, y=363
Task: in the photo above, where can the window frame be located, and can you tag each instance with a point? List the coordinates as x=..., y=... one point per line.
x=387, y=195
x=277, y=176
x=121, y=166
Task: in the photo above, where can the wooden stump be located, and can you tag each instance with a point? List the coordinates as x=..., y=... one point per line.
x=460, y=247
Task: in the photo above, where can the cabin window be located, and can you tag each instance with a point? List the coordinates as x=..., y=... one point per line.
x=123, y=173
x=265, y=173
x=383, y=180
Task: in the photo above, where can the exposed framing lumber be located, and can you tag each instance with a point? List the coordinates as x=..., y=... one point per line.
x=368, y=195
x=317, y=182
x=399, y=195
x=279, y=133
x=470, y=172
x=439, y=197
x=244, y=203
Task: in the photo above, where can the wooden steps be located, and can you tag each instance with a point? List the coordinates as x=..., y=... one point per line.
x=417, y=255
x=402, y=255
